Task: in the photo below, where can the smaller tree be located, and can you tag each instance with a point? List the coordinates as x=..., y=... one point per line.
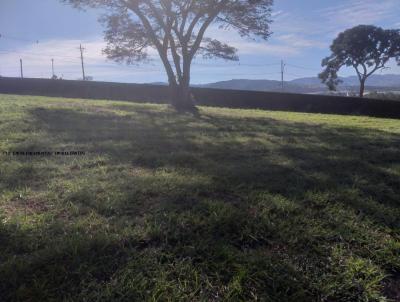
x=366, y=48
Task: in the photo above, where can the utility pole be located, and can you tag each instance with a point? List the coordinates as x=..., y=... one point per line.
x=0, y=66
x=83, y=67
x=22, y=70
x=282, y=74
x=52, y=67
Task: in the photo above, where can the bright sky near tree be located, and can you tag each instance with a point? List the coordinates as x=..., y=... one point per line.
x=40, y=30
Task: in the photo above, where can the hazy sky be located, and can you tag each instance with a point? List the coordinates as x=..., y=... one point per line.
x=39, y=30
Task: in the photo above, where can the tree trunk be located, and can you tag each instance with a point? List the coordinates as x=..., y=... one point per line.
x=362, y=87
x=181, y=98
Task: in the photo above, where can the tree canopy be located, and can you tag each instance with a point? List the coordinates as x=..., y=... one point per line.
x=177, y=30
x=366, y=48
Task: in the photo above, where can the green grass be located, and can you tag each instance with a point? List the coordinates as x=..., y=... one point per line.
x=233, y=205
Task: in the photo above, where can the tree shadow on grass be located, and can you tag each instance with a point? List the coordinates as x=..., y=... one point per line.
x=237, y=206
x=251, y=153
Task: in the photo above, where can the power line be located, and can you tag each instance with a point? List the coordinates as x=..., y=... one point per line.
x=2, y=36
x=249, y=74
x=34, y=54
x=301, y=67
x=237, y=64
x=259, y=65
x=295, y=75
x=196, y=64
x=18, y=39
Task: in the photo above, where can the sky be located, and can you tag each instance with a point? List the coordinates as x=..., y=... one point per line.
x=40, y=30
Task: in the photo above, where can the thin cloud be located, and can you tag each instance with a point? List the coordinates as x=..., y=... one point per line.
x=359, y=12
x=281, y=46
x=295, y=34
x=298, y=41
x=277, y=14
x=325, y=23
x=37, y=60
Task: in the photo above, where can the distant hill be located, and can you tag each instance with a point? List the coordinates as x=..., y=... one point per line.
x=257, y=85
x=387, y=82
x=378, y=80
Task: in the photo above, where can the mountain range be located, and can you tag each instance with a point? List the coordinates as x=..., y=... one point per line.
x=387, y=82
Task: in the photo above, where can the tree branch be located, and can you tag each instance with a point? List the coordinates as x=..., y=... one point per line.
x=161, y=50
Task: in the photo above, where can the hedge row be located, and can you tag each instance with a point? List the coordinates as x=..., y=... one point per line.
x=203, y=96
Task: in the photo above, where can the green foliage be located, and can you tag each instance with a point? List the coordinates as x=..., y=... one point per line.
x=366, y=48
x=233, y=205
x=176, y=29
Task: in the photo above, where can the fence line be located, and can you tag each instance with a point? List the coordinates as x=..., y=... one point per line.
x=203, y=96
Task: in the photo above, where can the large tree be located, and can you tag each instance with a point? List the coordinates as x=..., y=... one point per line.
x=176, y=29
x=366, y=48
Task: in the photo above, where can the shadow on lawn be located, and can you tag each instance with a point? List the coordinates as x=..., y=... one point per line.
x=311, y=157
x=214, y=230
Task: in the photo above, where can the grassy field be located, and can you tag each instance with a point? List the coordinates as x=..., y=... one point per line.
x=233, y=205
